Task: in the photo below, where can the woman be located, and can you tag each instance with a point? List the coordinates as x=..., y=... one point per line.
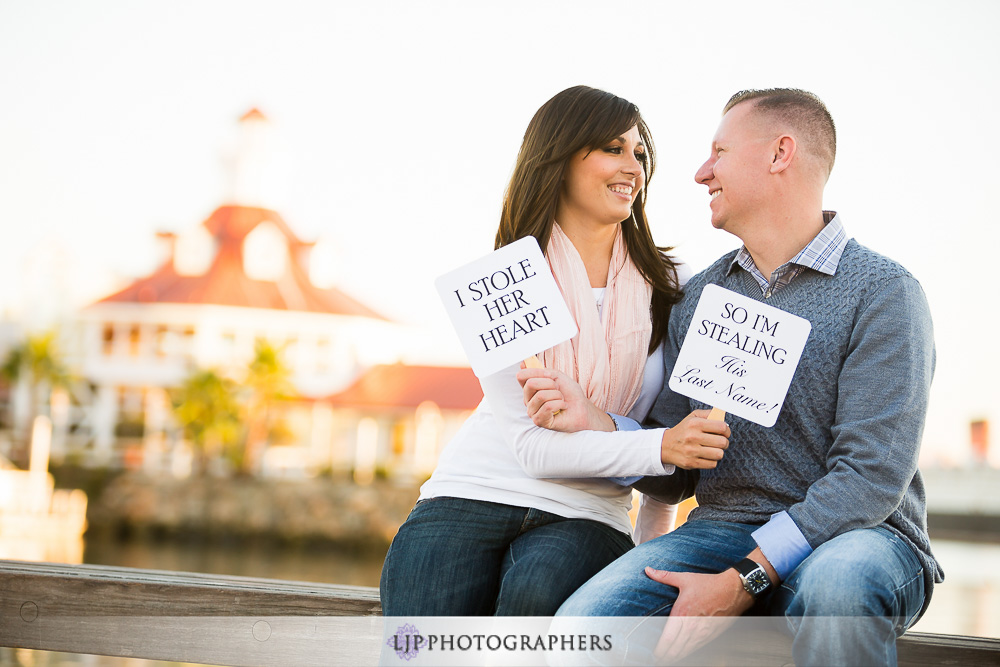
x=516, y=517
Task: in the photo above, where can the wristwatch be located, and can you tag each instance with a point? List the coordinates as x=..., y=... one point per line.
x=754, y=577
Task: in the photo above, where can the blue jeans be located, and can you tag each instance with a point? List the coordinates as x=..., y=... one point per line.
x=459, y=557
x=844, y=605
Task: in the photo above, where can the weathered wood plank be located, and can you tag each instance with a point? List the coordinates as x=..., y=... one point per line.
x=297, y=641
x=245, y=621
x=186, y=616
x=924, y=650
x=81, y=590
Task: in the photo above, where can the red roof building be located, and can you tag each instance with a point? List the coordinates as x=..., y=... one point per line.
x=226, y=282
x=407, y=387
x=398, y=418
x=241, y=276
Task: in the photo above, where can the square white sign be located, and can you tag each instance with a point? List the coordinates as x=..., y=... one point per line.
x=506, y=306
x=739, y=355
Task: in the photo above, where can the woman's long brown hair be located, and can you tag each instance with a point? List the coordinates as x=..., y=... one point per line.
x=585, y=118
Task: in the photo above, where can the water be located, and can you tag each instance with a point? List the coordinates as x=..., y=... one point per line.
x=323, y=563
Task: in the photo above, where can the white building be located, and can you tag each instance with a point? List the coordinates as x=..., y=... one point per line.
x=240, y=276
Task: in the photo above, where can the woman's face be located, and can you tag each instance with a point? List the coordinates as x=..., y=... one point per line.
x=600, y=185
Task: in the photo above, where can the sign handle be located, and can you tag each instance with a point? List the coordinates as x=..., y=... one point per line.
x=532, y=362
x=717, y=415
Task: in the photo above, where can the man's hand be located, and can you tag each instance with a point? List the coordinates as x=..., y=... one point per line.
x=699, y=596
x=556, y=401
x=696, y=442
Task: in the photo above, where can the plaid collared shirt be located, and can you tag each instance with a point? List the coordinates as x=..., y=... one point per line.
x=821, y=254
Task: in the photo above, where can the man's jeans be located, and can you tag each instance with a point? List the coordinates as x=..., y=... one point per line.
x=459, y=557
x=869, y=573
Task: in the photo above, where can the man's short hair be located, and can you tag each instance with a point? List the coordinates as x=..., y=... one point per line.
x=801, y=110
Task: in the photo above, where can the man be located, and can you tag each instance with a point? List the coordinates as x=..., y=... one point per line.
x=822, y=515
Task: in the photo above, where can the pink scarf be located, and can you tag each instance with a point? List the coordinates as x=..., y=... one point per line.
x=606, y=357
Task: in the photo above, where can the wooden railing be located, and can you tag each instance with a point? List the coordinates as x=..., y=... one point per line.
x=229, y=620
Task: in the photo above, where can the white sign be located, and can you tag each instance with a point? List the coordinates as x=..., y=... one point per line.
x=506, y=306
x=739, y=355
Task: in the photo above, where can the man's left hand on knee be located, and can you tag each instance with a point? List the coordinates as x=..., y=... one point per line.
x=706, y=605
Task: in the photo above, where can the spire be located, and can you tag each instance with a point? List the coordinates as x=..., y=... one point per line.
x=253, y=115
x=255, y=169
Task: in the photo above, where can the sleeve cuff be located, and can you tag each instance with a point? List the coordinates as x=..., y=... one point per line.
x=783, y=544
x=629, y=424
x=625, y=481
x=625, y=423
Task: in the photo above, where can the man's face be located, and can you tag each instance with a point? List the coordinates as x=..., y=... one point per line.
x=736, y=172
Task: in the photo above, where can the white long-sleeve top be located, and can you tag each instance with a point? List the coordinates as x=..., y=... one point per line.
x=500, y=456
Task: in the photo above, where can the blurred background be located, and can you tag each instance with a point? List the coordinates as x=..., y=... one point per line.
x=222, y=349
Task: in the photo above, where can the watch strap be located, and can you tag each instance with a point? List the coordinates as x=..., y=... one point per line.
x=754, y=577
x=746, y=566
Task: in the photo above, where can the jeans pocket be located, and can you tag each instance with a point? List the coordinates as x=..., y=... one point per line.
x=424, y=502
x=432, y=499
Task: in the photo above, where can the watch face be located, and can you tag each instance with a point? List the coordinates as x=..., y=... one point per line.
x=757, y=582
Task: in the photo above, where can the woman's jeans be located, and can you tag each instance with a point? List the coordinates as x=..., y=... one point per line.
x=844, y=605
x=459, y=557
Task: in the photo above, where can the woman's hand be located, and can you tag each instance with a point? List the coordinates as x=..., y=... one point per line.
x=557, y=402
x=696, y=442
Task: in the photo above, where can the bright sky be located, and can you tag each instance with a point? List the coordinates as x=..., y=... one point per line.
x=401, y=121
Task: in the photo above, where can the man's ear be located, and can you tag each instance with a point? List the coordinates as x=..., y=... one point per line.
x=783, y=152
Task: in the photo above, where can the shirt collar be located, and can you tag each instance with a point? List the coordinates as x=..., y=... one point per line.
x=821, y=254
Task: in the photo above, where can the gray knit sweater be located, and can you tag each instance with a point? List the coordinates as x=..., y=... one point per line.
x=843, y=453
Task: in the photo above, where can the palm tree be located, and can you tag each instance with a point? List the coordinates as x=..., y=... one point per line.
x=38, y=362
x=206, y=408
x=268, y=381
